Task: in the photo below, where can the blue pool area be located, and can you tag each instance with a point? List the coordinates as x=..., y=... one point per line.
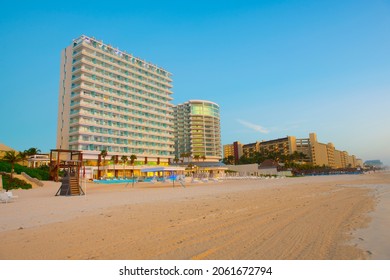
x=115, y=181
x=135, y=180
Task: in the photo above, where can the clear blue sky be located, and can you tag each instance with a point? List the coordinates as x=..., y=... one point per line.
x=276, y=68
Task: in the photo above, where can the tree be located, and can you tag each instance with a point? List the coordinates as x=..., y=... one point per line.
x=186, y=155
x=103, y=154
x=32, y=151
x=124, y=159
x=228, y=160
x=23, y=156
x=11, y=157
x=132, y=159
x=113, y=160
x=197, y=158
x=183, y=155
x=176, y=160
x=203, y=158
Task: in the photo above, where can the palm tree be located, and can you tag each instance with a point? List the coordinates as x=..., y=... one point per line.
x=188, y=156
x=132, y=159
x=124, y=160
x=197, y=157
x=23, y=156
x=32, y=151
x=113, y=160
x=183, y=155
x=12, y=157
x=203, y=158
x=176, y=160
x=103, y=154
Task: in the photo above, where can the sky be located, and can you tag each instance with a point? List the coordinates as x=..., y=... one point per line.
x=276, y=68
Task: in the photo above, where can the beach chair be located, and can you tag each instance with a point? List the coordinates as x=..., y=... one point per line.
x=4, y=197
x=194, y=180
x=10, y=195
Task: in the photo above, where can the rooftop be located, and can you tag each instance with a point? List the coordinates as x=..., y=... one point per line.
x=121, y=54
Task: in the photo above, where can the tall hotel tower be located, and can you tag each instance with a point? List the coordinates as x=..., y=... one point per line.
x=110, y=100
x=198, y=130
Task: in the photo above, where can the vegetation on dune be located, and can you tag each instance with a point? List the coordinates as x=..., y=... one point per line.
x=40, y=173
x=14, y=183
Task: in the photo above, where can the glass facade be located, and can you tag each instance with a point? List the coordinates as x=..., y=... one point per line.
x=205, y=109
x=197, y=130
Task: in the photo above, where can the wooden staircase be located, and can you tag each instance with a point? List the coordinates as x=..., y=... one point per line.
x=74, y=186
x=70, y=186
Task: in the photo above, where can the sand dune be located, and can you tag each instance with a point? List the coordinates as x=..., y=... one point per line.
x=292, y=218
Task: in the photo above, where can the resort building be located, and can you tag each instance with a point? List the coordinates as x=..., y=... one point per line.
x=111, y=100
x=38, y=160
x=316, y=153
x=228, y=150
x=303, y=146
x=321, y=154
x=359, y=162
x=197, y=131
x=285, y=146
x=251, y=148
x=233, y=150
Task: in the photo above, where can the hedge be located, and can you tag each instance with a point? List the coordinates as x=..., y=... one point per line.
x=39, y=173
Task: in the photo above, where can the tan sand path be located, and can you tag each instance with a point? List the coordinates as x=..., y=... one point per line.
x=297, y=218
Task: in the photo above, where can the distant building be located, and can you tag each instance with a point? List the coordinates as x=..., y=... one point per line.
x=359, y=162
x=284, y=146
x=38, y=160
x=321, y=154
x=235, y=150
x=326, y=154
x=251, y=148
x=197, y=130
x=304, y=147
x=268, y=167
x=316, y=153
x=373, y=163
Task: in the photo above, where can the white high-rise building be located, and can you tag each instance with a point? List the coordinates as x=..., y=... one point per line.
x=110, y=100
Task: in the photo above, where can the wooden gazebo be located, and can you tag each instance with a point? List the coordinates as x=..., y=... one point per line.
x=71, y=162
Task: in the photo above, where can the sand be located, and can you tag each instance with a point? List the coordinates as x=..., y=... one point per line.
x=316, y=218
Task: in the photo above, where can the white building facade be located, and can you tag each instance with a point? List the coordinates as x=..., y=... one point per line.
x=110, y=100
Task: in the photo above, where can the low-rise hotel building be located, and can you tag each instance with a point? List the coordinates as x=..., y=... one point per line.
x=316, y=153
x=234, y=150
x=250, y=149
x=284, y=146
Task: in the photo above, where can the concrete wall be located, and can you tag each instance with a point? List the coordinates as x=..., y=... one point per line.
x=245, y=169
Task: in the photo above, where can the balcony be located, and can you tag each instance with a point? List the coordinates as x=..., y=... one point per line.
x=122, y=70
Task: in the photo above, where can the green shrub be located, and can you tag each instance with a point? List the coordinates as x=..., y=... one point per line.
x=41, y=173
x=15, y=183
x=5, y=167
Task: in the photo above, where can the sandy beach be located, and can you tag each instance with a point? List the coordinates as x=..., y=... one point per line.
x=316, y=218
